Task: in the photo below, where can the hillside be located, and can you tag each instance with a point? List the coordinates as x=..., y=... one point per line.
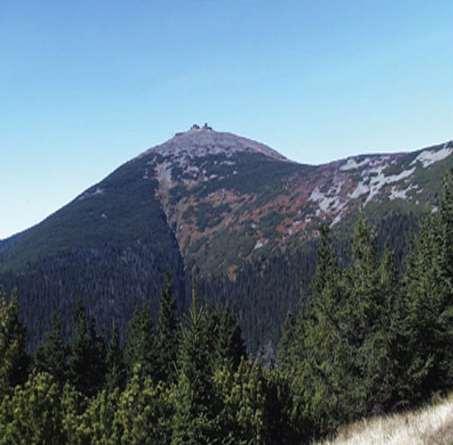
x=432, y=425
x=231, y=211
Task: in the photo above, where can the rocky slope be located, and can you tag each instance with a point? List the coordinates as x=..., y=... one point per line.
x=228, y=198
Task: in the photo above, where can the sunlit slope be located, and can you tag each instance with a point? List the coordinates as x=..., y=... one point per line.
x=432, y=425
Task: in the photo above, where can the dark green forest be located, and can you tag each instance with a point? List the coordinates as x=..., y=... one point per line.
x=373, y=337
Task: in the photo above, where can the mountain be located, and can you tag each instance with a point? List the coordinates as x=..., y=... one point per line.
x=230, y=212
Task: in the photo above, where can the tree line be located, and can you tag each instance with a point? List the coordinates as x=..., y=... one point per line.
x=370, y=340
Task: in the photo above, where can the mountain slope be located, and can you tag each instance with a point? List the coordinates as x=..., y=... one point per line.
x=221, y=206
x=230, y=204
x=122, y=210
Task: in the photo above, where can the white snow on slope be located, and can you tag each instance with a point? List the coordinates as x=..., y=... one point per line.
x=325, y=201
x=330, y=202
x=379, y=181
x=337, y=219
x=401, y=194
x=429, y=157
x=360, y=190
x=258, y=245
x=352, y=164
x=89, y=194
x=373, y=184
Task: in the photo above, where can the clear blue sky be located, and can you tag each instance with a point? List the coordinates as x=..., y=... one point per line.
x=85, y=85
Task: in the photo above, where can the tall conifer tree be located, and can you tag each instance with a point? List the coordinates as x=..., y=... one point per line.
x=196, y=407
x=51, y=356
x=116, y=370
x=228, y=345
x=321, y=347
x=140, y=344
x=166, y=347
x=14, y=360
x=429, y=304
x=86, y=362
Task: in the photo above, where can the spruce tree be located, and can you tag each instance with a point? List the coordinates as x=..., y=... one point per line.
x=323, y=351
x=228, y=345
x=362, y=302
x=115, y=368
x=86, y=361
x=381, y=351
x=287, y=341
x=140, y=344
x=52, y=353
x=446, y=217
x=196, y=404
x=326, y=261
x=371, y=323
x=166, y=341
x=14, y=360
x=342, y=340
x=429, y=304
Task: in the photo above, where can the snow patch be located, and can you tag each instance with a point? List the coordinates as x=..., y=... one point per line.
x=329, y=202
x=337, y=219
x=352, y=164
x=258, y=245
x=429, y=157
x=193, y=169
x=374, y=179
x=90, y=194
x=379, y=181
x=397, y=194
x=402, y=194
x=360, y=190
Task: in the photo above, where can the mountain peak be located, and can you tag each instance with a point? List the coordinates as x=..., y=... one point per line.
x=201, y=141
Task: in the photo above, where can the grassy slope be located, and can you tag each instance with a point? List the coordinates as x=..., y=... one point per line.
x=432, y=425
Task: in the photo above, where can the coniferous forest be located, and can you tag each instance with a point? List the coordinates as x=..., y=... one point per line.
x=372, y=338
